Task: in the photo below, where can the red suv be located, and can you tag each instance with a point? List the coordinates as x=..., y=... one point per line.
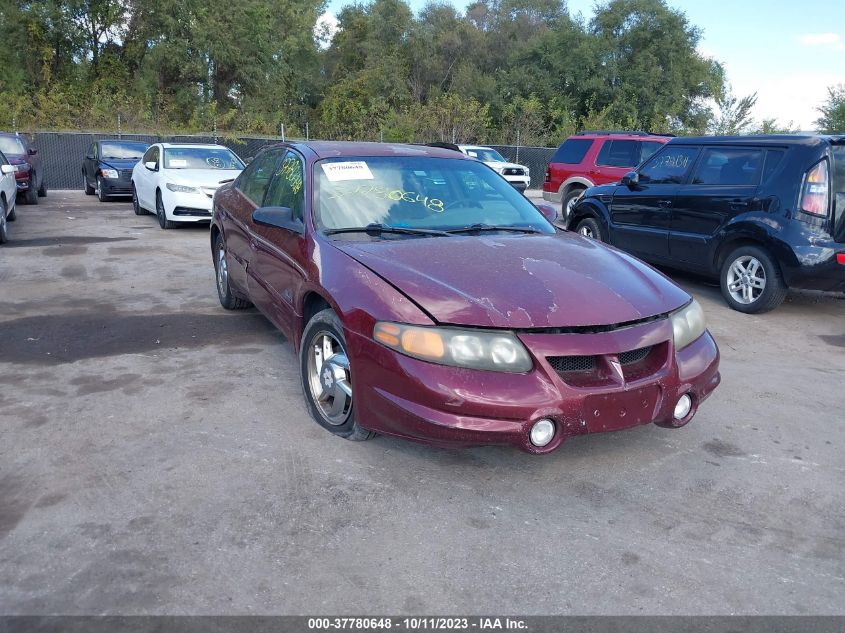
x=595, y=158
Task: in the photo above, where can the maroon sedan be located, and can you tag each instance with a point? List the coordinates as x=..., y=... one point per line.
x=428, y=299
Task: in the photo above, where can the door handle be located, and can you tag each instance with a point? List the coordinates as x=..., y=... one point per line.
x=664, y=204
x=739, y=204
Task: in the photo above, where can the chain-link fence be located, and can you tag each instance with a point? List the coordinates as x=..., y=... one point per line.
x=62, y=152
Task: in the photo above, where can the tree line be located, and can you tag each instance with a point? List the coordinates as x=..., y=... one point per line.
x=503, y=71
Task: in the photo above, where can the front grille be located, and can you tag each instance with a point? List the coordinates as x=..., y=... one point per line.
x=125, y=173
x=634, y=356
x=572, y=363
x=514, y=171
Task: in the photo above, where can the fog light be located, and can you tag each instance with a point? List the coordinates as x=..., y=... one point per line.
x=542, y=432
x=682, y=408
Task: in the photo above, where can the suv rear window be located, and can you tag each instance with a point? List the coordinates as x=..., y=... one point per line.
x=572, y=151
x=729, y=166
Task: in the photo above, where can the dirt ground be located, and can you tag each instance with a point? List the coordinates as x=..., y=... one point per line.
x=156, y=457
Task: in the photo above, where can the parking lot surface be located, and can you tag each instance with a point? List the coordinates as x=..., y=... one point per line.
x=156, y=457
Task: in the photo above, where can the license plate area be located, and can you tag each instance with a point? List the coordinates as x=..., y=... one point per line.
x=620, y=409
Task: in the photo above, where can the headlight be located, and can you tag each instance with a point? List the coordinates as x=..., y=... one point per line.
x=110, y=173
x=687, y=324
x=501, y=170
x=181, y=188
x=493, y=351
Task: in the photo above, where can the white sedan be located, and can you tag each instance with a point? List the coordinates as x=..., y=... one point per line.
x=8, y=192
x=178, y=181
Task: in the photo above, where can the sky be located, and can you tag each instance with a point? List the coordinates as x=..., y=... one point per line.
x=787, y=51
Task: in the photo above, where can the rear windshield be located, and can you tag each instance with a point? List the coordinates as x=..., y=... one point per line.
x=572, y=151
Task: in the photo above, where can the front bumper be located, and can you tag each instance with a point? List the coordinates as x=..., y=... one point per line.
x=520, y=183
x=447, y=406
x=187, y=207
x=121, y=186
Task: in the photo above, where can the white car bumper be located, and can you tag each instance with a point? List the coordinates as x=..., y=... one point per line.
x=187, y=207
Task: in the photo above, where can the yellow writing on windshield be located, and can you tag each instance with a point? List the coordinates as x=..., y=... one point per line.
x=435, y=205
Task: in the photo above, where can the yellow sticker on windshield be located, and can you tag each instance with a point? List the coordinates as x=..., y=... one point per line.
x=348, y=170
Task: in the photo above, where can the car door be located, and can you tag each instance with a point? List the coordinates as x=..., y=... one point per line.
x=723, y=185
x=276, y=273
x=89, y=164
x=235, y=207
x=640, y=213
x=8, y=184
x=145, y=179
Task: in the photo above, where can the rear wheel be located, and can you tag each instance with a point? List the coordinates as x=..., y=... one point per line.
x=89, y=190
x=589, y=227
x=751, y=280
x=327, y=377
x=163, y=222
x=4, y=226
x=221, y=269
x=569, y=203
x=136, y=205
x=42, y=190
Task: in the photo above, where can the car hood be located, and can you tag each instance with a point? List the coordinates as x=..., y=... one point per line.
x=495, y=164
x=519, y=281
x=119, y=163
x=210, y=178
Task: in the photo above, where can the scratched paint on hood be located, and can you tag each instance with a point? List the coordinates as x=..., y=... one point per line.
x=520, y=281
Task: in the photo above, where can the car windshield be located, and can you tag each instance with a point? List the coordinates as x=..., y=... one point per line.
x=127, y=150
x=11, y=145
x=485, y=155
x=415, y=192
x=200, y=158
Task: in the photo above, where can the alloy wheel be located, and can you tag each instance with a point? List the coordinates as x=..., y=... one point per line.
x=586, y=231
x=329, y=378
x=222, y=272
x=746, y=279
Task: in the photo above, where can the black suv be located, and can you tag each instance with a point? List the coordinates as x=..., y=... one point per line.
x=763, y=213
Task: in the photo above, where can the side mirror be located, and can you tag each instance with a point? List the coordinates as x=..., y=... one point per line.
x=277, y=217
x=7, y=169
x=631, y=179
x=151, y=165
x=248, y=160
x=32, y=151
x=548, y=211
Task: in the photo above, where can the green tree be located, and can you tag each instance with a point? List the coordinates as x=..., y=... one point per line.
x=832, y=119
x=734, y=114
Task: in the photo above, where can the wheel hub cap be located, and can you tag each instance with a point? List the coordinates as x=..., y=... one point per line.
x=329, y=378
x=746, y=279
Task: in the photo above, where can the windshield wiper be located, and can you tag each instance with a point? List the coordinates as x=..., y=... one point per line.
x=473, y=228
x=376, y=229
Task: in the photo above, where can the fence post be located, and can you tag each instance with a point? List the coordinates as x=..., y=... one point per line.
x=306, y=131
x=517, y=146
x=282, y=130
x=119, y=130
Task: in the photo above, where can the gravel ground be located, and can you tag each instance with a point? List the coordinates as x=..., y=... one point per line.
x=156, y=457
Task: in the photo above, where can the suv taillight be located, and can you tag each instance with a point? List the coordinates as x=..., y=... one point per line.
x=816, y=194
x=548, y=175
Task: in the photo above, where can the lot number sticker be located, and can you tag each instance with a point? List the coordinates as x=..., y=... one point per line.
x=350, y=170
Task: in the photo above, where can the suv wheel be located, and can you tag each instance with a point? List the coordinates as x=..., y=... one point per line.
x=751, y=280
x=589, y=227
x=31, y=195
x=569, y=203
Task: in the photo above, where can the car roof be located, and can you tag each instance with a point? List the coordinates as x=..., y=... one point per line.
x=334, y=149
x=185, y=145
x=768, y=139
x=621, y=134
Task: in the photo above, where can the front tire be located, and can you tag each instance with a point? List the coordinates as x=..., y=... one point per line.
x=42, y=190
x=163, y=222
x=102, y=197
x=590, y=227
x=4, y=226
x=221, y=270
x=89, y=190
x=31, y=195
x=326, y=374
x=751, y=280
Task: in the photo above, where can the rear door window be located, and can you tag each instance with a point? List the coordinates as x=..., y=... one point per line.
x=670, y=166
x=619, y=154
x=572, y=151
x=729, y=166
